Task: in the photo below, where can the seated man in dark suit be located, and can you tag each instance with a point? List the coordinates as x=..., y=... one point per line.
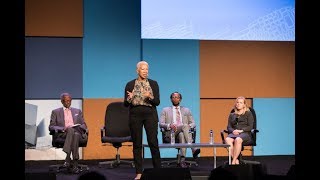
x=180, y=120
x=70, y=124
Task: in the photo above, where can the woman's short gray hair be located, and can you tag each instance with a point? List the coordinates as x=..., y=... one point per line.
x=142, y=62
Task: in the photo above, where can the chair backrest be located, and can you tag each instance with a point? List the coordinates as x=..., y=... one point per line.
x=253, y=131
x=117, y=120
x=254, y=134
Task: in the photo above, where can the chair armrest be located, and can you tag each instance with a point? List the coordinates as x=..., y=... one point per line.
x=222, y=135
x=102, y=131
x=193, y=129
x=52, y=132
x=254, y=130
x=165, y=135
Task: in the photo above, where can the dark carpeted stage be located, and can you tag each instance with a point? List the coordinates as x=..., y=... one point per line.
x=274, y=167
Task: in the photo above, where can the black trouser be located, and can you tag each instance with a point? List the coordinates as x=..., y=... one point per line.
x=140, y=116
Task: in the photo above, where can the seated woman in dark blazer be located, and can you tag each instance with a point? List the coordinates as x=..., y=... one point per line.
x=240, y=123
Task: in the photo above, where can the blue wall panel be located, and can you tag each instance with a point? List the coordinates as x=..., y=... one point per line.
x=276, y=123
x=53, y=65
x=111, y=46
x=175, y=65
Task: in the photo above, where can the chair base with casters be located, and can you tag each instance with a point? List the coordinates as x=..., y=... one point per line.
x=177, y=161
x=117, y=161
x=243, y=161
x=240, y=157
x=61, y=167
x=59, y=143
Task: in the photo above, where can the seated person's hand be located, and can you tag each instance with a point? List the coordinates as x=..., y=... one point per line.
x=174, y=127
x=236, y=132
x=65, y=128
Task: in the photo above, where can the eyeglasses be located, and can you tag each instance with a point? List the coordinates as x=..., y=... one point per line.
x=175, y=97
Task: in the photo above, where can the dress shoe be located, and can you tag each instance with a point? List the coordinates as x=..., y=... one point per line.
x=196, y=153
x=75, y=163
x=183, y=164
x=75, y=170
x=66, y=164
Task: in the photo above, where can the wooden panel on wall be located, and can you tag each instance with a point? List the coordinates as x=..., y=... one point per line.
x=214, y=115
x=54, y=18
x=248, y=68
x=94, y=113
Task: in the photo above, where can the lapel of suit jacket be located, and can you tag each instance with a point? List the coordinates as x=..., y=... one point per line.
x=61, y=114
x=73, y=115
x=181, y=114
x=170, y=118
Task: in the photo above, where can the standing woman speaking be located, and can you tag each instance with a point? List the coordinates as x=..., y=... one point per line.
x=142, y=96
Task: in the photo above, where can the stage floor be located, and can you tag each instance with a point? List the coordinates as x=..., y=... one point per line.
x=273, y=165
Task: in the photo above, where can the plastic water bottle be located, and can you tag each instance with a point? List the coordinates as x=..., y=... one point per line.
x=173, y=137
x=190, y=139
x=211, y=137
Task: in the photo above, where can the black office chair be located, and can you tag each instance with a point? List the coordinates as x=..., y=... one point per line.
x=116, y=131
x=58, y=142
x=166, y=139
x=249, y=145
